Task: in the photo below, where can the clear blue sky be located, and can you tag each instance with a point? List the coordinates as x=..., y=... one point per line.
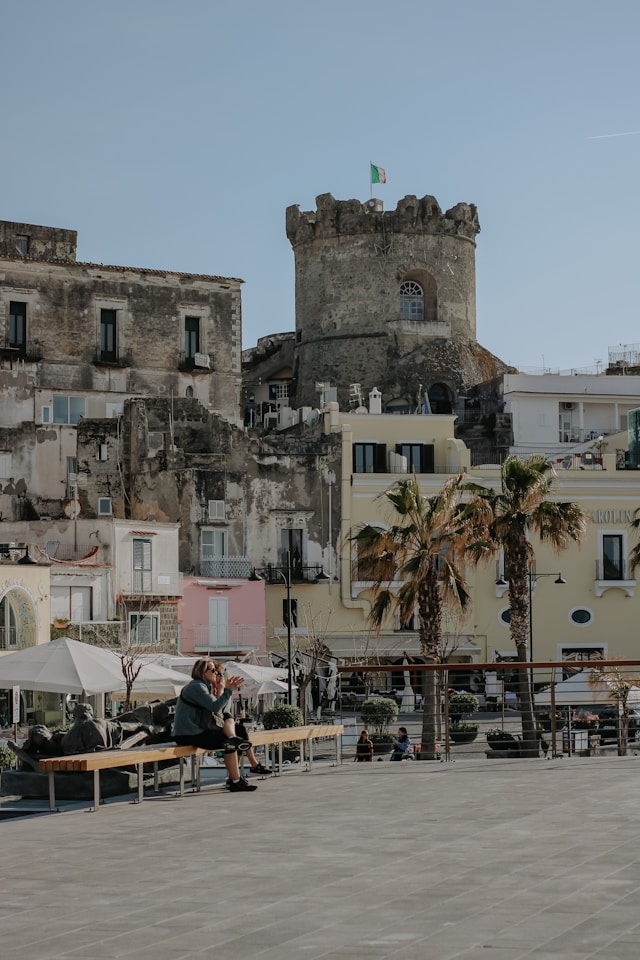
x=174, y=135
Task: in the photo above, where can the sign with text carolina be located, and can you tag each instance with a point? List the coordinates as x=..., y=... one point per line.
x=612, y=516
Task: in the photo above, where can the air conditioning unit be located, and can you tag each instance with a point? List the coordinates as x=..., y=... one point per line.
x=567, y=405
x=216, y=510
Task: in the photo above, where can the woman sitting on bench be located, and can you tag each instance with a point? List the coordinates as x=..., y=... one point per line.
x=200, y=721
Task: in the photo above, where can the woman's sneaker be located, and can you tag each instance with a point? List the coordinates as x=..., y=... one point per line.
x=240, y=786
x=260, y=768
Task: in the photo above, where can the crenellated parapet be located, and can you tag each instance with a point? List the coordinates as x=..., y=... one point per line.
x=412, y=216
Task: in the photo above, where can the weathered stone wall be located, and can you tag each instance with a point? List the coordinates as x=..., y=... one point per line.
x=350, y=261
x=42, y=243
x=168, y=459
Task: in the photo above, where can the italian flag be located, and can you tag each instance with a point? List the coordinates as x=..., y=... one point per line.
x=377, y=174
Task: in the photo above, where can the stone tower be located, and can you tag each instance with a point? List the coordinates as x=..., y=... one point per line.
x=387, y=300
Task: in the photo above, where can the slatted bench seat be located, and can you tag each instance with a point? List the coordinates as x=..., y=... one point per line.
x=156, y=753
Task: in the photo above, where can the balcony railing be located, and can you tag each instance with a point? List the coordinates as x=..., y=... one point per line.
x=8, y=638
x=30, y=350
x=620, y=573
x=232, y=568
x=299, y=573
x=232, y=636
x=195, y=363
x=106, y=358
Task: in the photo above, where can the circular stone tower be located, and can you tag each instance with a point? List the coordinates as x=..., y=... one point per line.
x=385, y=299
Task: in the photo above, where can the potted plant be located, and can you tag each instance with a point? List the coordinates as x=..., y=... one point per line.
x=544, y=719
x=501, y=740
x=281, y=716
x=460, y=706
x=377, y=714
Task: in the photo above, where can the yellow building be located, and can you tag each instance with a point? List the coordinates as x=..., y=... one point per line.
x=24, y=621
x=594, y=612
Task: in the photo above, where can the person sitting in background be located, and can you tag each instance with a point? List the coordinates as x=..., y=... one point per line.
x=401, y=745
x=364, y=748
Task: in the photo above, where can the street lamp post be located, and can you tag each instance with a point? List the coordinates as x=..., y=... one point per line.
x=533, y=577
x=287, y=582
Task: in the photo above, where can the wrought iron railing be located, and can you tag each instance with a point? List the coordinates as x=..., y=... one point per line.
x=300, y=573
x=233, y=568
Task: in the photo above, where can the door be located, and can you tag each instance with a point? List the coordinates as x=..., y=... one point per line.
x=218, y=622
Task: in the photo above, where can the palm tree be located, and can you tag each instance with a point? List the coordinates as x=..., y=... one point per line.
x=634, y=556
x=419, y=550
x=620, y=684
x=504, y=521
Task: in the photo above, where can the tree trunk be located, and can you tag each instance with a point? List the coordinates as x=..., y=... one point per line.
x=520, y=628
x=429, y=718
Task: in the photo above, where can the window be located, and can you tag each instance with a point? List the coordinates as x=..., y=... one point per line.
x=369, y=458
x=104, y=507
x=420, y=456
x=213, y=544
x=278, y=391
x=108, y=342
x=72, y=603
x=144, y=629
x=67, y=409
x=292, y=544
x=72, y=477
x=411, y=301
x=191, y=337
x=580, y=617
x=8, y=625
x=294, y=612
x=22, y=245
x=142, y=571
x=213, y=549
x=5, y=466
x=18, y=325
x=612, y=557
x=505, y=616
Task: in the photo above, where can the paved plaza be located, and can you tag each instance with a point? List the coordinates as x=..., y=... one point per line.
x=476, y=859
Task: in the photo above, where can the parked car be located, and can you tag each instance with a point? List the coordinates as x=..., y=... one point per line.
x=608, y=723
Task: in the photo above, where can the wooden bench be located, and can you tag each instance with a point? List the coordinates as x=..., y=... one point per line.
x=156, y=753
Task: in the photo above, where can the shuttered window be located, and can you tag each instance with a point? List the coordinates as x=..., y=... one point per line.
x=142, y=572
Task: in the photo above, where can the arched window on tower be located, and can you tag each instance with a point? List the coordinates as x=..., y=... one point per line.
x=411, y=301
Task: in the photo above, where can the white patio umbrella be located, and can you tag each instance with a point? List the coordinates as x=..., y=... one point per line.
x=70, y=666
x=408, y=698
x=254, y=672
x=577, y=690
x=62, y=666
x=154, y=682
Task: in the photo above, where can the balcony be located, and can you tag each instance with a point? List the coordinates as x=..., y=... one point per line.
x=30, y=351
x=229, y=568
x=106, y=358
x=299, y=573
x=610, y=575
x=224, y=638
x=195, y=363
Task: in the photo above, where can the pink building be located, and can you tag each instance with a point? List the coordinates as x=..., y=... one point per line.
x=222, y=617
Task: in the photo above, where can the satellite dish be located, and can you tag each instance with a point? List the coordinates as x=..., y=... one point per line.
x=72, y=509
x=312, y=418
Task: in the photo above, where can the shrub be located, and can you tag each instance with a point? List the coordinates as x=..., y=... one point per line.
x=7, y=757
x=378, y=713
x=283, y=715
x=462, y=704
x=464, y=727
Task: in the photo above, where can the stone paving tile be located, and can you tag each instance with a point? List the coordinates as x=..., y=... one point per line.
x=443, y=862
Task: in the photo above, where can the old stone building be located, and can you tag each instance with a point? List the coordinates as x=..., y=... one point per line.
x=386, y=300
x=78, y=339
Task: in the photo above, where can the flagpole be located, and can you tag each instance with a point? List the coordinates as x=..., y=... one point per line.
x=370, y=182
